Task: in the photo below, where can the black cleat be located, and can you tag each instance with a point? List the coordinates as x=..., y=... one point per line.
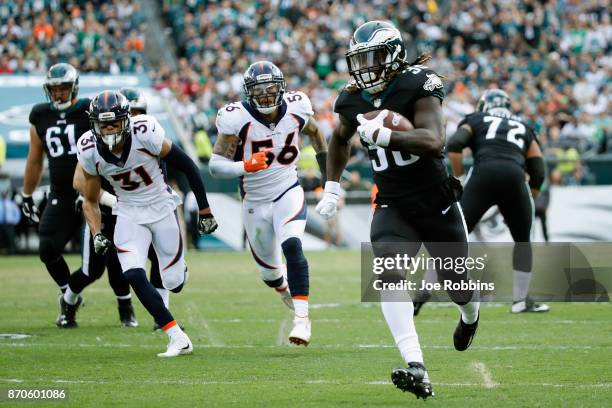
x=67, y=319
x=420, y=299
x=127, y=316
x=464, y=334
x=412, y=379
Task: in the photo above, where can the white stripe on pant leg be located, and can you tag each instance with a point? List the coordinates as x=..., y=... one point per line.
x=532, y=203
x=86, y=241
x=467, y=178
x=465, y=228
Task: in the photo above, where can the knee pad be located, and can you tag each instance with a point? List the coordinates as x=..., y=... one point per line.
x=48, y=251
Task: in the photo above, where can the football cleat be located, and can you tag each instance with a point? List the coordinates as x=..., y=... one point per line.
x=529, y=306
x=464, y=334
x=67, y=318
x=179, y=345
x=300, y=334
x=127, y=316
x=413, y=379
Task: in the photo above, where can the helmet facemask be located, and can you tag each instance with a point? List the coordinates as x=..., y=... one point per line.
x=59, y=105
x=111, y=137
x=265, y=94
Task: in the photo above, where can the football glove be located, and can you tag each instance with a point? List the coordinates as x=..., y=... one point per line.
x=101, y=244
x=257, y=162
x=367, y=130
x=207, y=224
x=328, y=206
x=29, y=209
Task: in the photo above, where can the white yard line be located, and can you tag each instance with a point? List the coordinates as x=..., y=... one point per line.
x=487, y=378
x=310, y=382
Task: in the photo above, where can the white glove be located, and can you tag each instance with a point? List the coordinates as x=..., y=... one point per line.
x=367, y=128
x=328, y=206
x=101, y=244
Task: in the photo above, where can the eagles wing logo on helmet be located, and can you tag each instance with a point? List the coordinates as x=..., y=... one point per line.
x=433, y=82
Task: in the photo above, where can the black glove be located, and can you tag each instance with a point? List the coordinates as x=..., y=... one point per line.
x=101, y=244
x=30, y=210
x=207, y=224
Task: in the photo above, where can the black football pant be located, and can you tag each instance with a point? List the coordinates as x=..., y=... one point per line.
x=502, y=183
x=59, y=223
x=444, y=235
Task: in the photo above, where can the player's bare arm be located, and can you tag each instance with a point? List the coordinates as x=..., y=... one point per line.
x=78, y=183
x=534, y=162
x=339, y=149
x=317, y=139
x=456, y=144
x=34, y=163
x=91, y=209
x=226, y=146
x=428, y=136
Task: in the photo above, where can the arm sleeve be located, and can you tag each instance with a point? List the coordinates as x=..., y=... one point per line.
x=222, y=167
x=180, y=161
x=459, y=140
x=536, y=171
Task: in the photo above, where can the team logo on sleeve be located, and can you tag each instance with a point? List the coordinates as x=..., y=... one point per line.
x=433, y=82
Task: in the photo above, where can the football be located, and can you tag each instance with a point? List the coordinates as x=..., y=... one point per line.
x=393, y=121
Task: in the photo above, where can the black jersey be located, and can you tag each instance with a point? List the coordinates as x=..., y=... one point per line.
x=59, y=132
x=399, y=175
x=498, y=135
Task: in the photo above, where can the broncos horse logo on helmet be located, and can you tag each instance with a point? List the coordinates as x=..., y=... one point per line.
x=376, y=55
x=264, y=86
x=59, y=75
x=494, y=98
x=109, y=116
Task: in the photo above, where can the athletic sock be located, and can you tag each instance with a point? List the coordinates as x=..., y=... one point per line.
x=400, y=321
x=521, y=285
x=469, y=312
x=124, y=300
x=300, y=305
x=71, y=297
x=172, y=329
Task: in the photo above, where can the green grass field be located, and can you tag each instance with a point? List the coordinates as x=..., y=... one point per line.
x=239, y=328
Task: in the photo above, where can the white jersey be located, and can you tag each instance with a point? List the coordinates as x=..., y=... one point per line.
x=136, y=175
x=280, y=137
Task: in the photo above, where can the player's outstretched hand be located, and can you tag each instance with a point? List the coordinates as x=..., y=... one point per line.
x=207, y=224
x=328, y=206
x=257, y=162
x=29, y=209
x=101, y=244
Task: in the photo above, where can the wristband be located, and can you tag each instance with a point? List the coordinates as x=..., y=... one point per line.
x=384, y=137
x=107, y=199
x=332, y=187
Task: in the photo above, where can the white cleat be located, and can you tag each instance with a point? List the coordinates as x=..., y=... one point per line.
x=300, y=335
x=178, y=346
x=286, y=298
x=529, y=306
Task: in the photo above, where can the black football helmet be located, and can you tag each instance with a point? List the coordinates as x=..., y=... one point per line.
x=376, y=54
x=136, y=99
x=62, y=74
x=264, y=86
x=493, y=98
x=106, y=107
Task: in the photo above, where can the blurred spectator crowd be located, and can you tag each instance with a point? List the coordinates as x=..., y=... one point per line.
x=94, y=36
x=552, y=57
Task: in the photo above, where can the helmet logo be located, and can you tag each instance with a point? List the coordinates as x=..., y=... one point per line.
x=395, y=120
x=263, y=77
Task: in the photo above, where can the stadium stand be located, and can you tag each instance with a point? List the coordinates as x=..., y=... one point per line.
x=551, y=57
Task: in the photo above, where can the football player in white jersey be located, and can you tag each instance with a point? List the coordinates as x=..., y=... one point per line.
x=258, y=142
x=126, y=152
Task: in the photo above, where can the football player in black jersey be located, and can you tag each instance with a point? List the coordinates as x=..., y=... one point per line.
x=503, y=147
x=56, y=127
x=417, y=199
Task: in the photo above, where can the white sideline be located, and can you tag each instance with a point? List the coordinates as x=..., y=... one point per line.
x=283, y=332
x=487, y=378
x=310, y=382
